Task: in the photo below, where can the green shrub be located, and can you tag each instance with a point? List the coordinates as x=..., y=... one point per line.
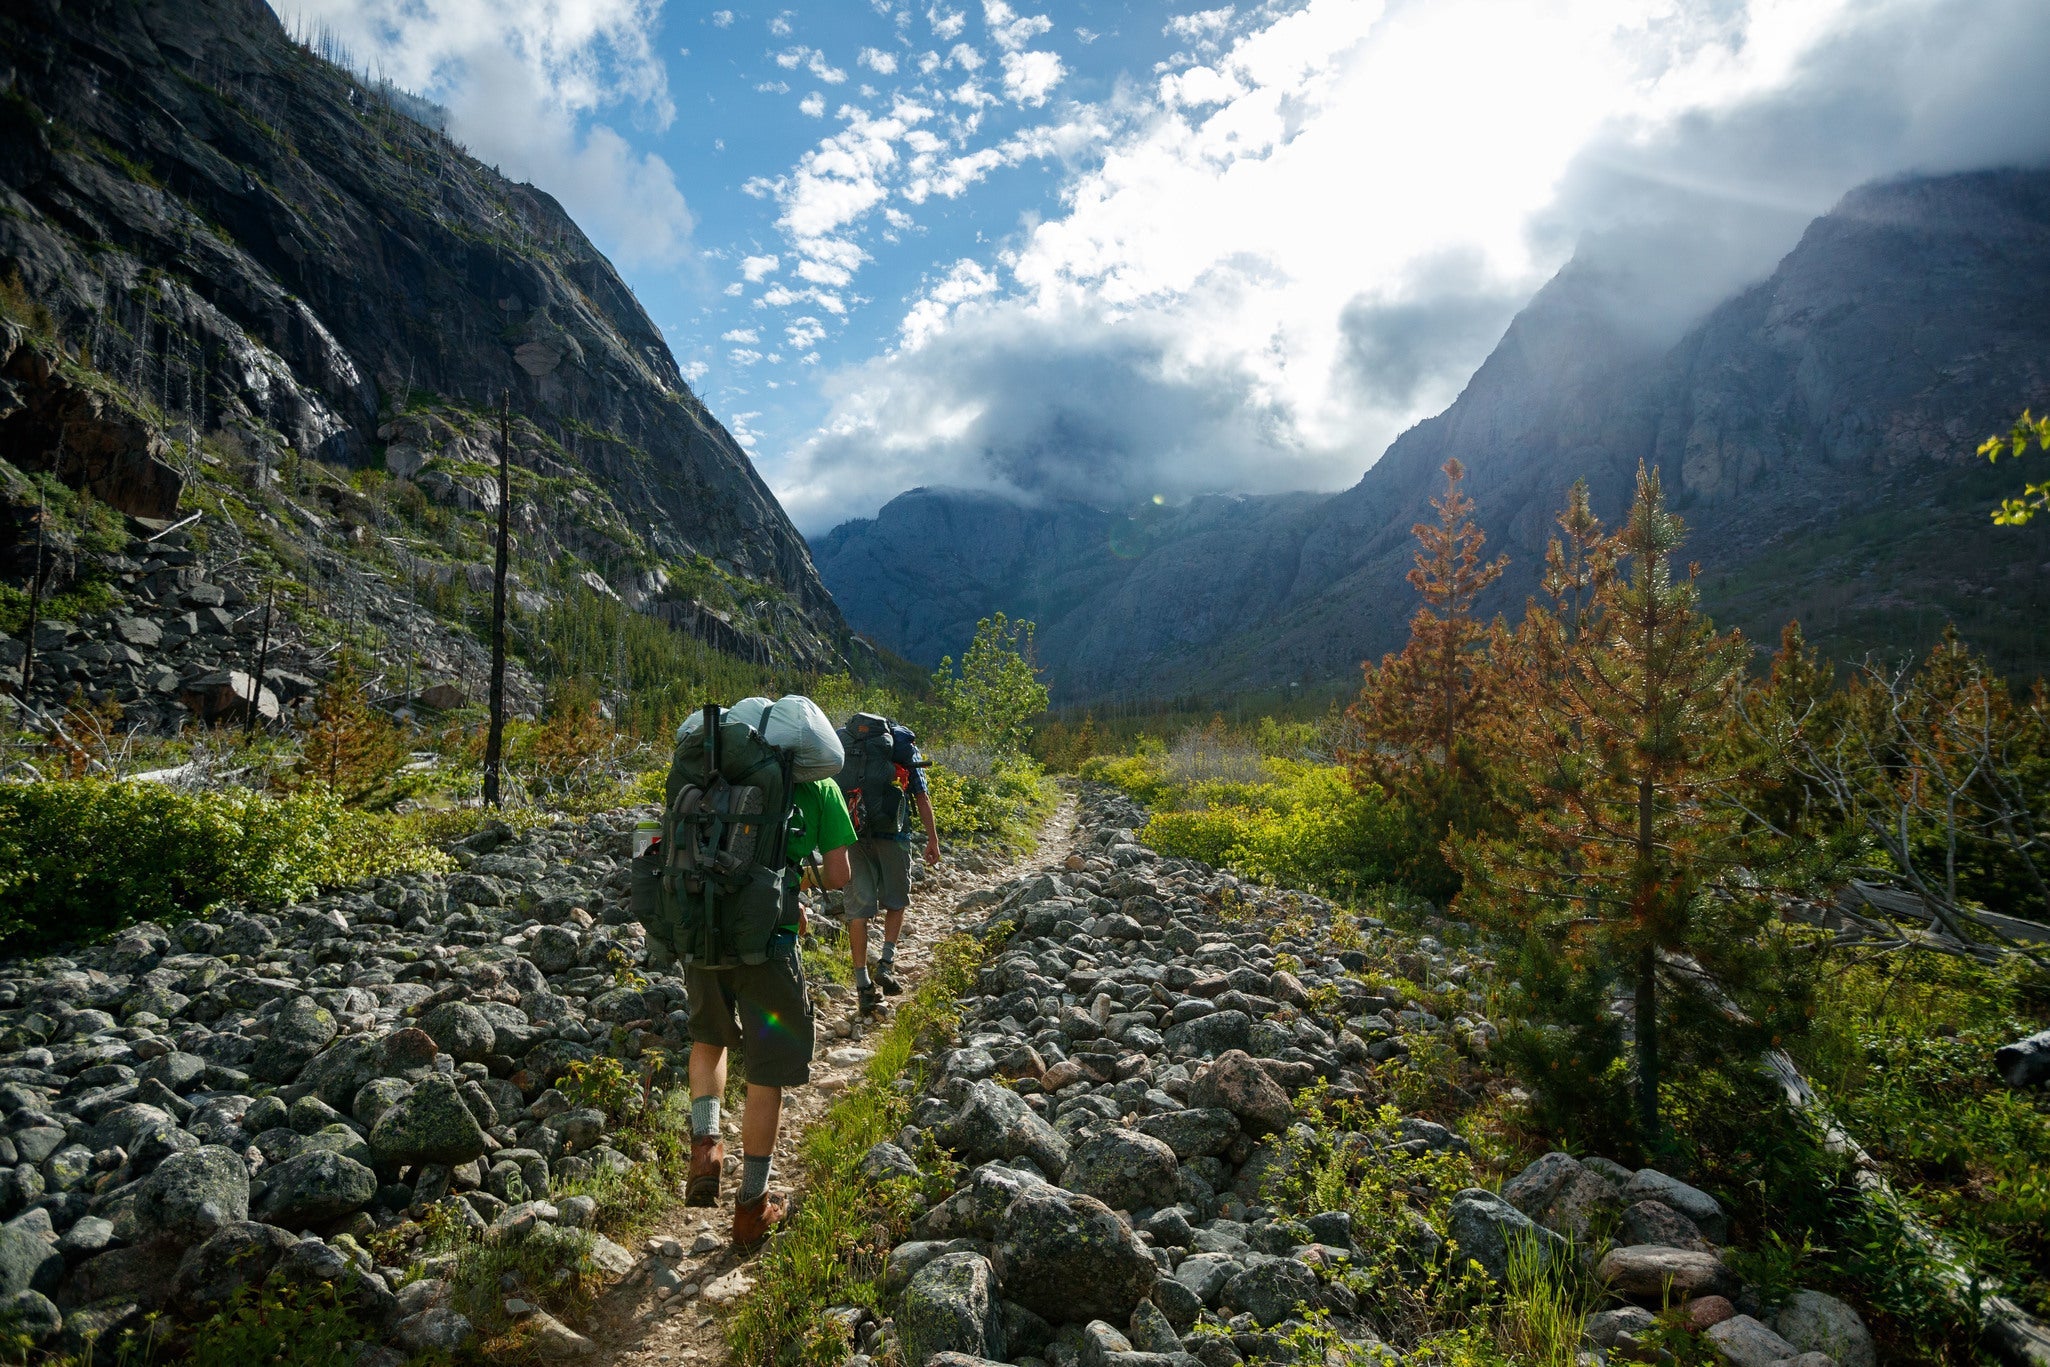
x=1004, y=803
x=1302, y=825
x=304, y=1326
x=82, y=858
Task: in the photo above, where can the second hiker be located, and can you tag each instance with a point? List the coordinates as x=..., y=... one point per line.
x=883, y=768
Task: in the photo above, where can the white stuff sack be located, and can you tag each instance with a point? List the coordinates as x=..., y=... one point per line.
x=792, y=723
x=749, y=710
x=795, y=723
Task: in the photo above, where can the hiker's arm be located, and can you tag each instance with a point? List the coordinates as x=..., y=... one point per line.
x=838, y=873
x=932, y=830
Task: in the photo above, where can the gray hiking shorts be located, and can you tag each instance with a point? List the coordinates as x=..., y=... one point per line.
x=882, y=878
x=762, y=1009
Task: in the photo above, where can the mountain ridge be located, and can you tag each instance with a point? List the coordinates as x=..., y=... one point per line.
x=1906, y=324
x=262, y=254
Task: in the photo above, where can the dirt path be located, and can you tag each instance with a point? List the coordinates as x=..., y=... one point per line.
x=660, y=1314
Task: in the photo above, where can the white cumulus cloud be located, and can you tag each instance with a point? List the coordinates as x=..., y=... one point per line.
x=1305, y=238
x=1029, y=77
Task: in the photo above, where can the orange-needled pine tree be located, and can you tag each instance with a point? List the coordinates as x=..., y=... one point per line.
x=1420, y=709
x=1618, y=700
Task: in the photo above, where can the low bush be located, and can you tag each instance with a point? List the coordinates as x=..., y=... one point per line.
x=1286, y=822
x=79, y=859
x=1003, y=800
x=1902, y=1051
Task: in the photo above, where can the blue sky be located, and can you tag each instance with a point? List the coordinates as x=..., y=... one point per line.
x=1123, y=251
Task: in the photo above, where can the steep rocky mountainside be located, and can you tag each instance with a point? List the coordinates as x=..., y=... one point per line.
x=238, y=270
x=1817, y=430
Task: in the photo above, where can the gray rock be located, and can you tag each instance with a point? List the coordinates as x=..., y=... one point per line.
x=1068, y=1256
x=993, y=1123
x=1216, y=1033
x=461, y=1030
x=300, y=1030
x=193, y=1194
x=1649, y=1273
x=1195, y=1132
x=31, y=1315
x=1235, y=1082
x=1124, y=1169
x=1561, y=1194
x=553, y=949
x=2026, y=1062
x=885, y=1161
x=1482, y=1225
x=429, y=1125
x=316, y=1188
x=1655, y=1222
x=1744, y=1342
x=28, y=1262
x=947, y=1308
x=1704, y=1210
x=1205, y=1274
x=1177, y=1302
x=1603, y=1326
x=1150, y=1331
x=375, y=1097
x=239, y=1255
x=436, y=1329
x=1816, y=1323
x=1272, y=1291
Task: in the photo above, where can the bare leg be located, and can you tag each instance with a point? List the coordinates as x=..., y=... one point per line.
x=893, y=924
x=708, y=1071
x=758, y=1124
x=857, y=943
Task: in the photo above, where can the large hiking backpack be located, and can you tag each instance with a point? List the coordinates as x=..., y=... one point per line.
x=721, y=860
x=869, y=779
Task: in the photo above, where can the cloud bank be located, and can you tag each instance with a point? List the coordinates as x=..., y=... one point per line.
x=1317, y=220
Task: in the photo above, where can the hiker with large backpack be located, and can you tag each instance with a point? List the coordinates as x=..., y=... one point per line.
x=749, y=800
x=883, y=778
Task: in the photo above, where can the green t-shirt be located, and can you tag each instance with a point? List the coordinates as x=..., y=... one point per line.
x=822, y=822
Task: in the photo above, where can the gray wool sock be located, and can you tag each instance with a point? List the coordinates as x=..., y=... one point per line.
x=754, y=1177
x=889, y=952
x=704, y=1116
x=861, y=975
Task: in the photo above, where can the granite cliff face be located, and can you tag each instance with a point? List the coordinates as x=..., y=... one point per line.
x=1818, y=430
x=235, y=260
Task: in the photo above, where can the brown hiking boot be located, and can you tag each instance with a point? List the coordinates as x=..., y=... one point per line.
x=753, y=1220
x=707, y=1163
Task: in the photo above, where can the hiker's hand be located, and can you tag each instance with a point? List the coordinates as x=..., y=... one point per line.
x=932, y=851
x=804, y=880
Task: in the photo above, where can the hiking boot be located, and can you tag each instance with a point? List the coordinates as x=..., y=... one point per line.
x=869, y=1000
x=707, y=1164
x=887, y=981
x=753, y=1220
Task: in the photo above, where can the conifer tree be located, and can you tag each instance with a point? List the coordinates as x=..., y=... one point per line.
x=1417, y=714
x=349, y=748
x=1618, y=715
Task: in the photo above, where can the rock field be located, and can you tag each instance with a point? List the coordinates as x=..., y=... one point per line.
x=184, y=1111
x=1122, y=1095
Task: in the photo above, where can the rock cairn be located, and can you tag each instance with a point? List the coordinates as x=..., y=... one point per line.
x=1122, y=1089
x=187, y=1110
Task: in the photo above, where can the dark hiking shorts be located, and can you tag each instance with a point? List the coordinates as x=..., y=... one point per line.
x=762, y=1009
x=882, y=878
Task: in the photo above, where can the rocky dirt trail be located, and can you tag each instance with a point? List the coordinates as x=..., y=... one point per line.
x=669, y=1309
